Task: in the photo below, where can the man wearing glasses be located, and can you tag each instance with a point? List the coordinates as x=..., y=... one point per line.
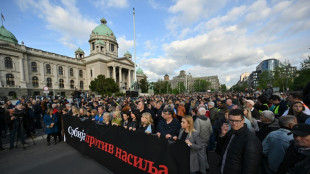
x=239, y=148
x=169, y=126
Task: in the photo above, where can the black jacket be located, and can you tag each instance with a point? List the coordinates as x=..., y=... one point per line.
x=243, y=154
x=294, y=161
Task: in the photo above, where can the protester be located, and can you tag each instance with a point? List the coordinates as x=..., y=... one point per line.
x=279, y=106
x=169, y=126
x=268, y=124
x=50, y=121
x=125, y=120
x=297, y=109
x=204, y=128
x=106, y=119
x=248, y=114
x=134, y=124
x=191, y=137
x=240, y=151
x=297, y=156
x=146, y=123
x=276, y=143
x=116, y=121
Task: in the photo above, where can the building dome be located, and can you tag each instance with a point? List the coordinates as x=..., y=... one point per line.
x=5, y=35
x=79, y=50
x=139, y=71
x=127, y=53
x=100, y=42
x=103, y=29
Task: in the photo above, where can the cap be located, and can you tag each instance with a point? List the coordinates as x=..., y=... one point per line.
x=301, y=129
x=250, y=101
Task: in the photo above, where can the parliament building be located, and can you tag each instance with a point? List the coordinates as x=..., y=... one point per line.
x=25, y=71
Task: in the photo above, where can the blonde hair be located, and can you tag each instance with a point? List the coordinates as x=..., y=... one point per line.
x=118, y=114
x=75, y=111
x=190, y=121
x=106, y=116
x=84, y=111
x=148, y=117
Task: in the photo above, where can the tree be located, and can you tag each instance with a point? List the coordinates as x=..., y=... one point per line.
x=103, y=86
x=302, y=76
x=180, y=88
x=223, y=88
x=143, y=85
x=201, y=85
x=162, y=87
x=265, y=79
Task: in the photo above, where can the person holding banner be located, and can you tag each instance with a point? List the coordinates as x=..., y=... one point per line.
x=169, y=126
x=125, y=120
x=134, y=121
x=106, y=118
x=146, y=123
x=192, y=139
x=116, y=118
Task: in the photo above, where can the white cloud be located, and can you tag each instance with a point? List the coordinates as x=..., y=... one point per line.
x=111, y=3
x=65, y=19
x=124, y=45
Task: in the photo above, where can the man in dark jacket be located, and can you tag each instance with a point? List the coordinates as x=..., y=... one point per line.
x=239, y=148
x=279, y=106
x=169, y=126
x=297, y=156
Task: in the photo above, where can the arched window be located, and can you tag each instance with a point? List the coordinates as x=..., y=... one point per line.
x=35, y=81
x=61, y=83
x=12, y=93
x=10, y=80
x=81, y=73
x=34, y=67
x=60, y=70
x=8, y=63
x=91, y=73
x=71, y=84
x=81, y=85
x=49, y=82
x=48, y=69
x=71, y=72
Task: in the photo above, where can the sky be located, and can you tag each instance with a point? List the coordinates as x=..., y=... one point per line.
x=203, y=37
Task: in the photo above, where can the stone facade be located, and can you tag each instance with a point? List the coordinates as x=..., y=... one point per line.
x=25, y=70
x=189, y=80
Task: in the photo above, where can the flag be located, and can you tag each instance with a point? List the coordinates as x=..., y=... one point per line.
x=2, y=17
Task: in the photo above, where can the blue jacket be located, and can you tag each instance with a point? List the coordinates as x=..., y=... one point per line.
x=274, y=147
x=48, y=120
x=98, y=119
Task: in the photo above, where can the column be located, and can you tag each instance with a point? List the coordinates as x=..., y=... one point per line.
x=128, y=79
x=22, y=73
x=76, y=73
x=108, y=72
x=66, y=73
x=56, y=76
x=120, y=76
x=114, y=73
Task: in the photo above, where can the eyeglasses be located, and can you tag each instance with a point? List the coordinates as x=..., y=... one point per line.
x=235, y=121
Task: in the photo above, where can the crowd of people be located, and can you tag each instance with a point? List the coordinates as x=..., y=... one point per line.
x=258, y=132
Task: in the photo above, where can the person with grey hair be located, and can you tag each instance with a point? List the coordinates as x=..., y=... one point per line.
x=69, y=107
x=204, y=128
x=268, y=124
x=276, y=143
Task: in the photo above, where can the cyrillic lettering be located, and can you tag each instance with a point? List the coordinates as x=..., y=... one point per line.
x=164, y=170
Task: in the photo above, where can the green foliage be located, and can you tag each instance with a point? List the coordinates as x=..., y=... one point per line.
x=144, y=85
x=180, y=88
x=302, y=78
x=265, y=79
x=223, y=88
x=118, y=94
x=201, y=85
x=162, y=87
x=103, y=86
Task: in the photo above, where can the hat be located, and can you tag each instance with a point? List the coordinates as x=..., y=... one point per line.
x=301, y=129
x=250, y=101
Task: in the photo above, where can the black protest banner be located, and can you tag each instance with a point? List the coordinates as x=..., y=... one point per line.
x=123, y=151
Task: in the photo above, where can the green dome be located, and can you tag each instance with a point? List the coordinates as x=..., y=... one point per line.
x=103, y=29
x=99, y=41
x=139, y=71
x=127, y=53
x=79, y=50
x=5, y=35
